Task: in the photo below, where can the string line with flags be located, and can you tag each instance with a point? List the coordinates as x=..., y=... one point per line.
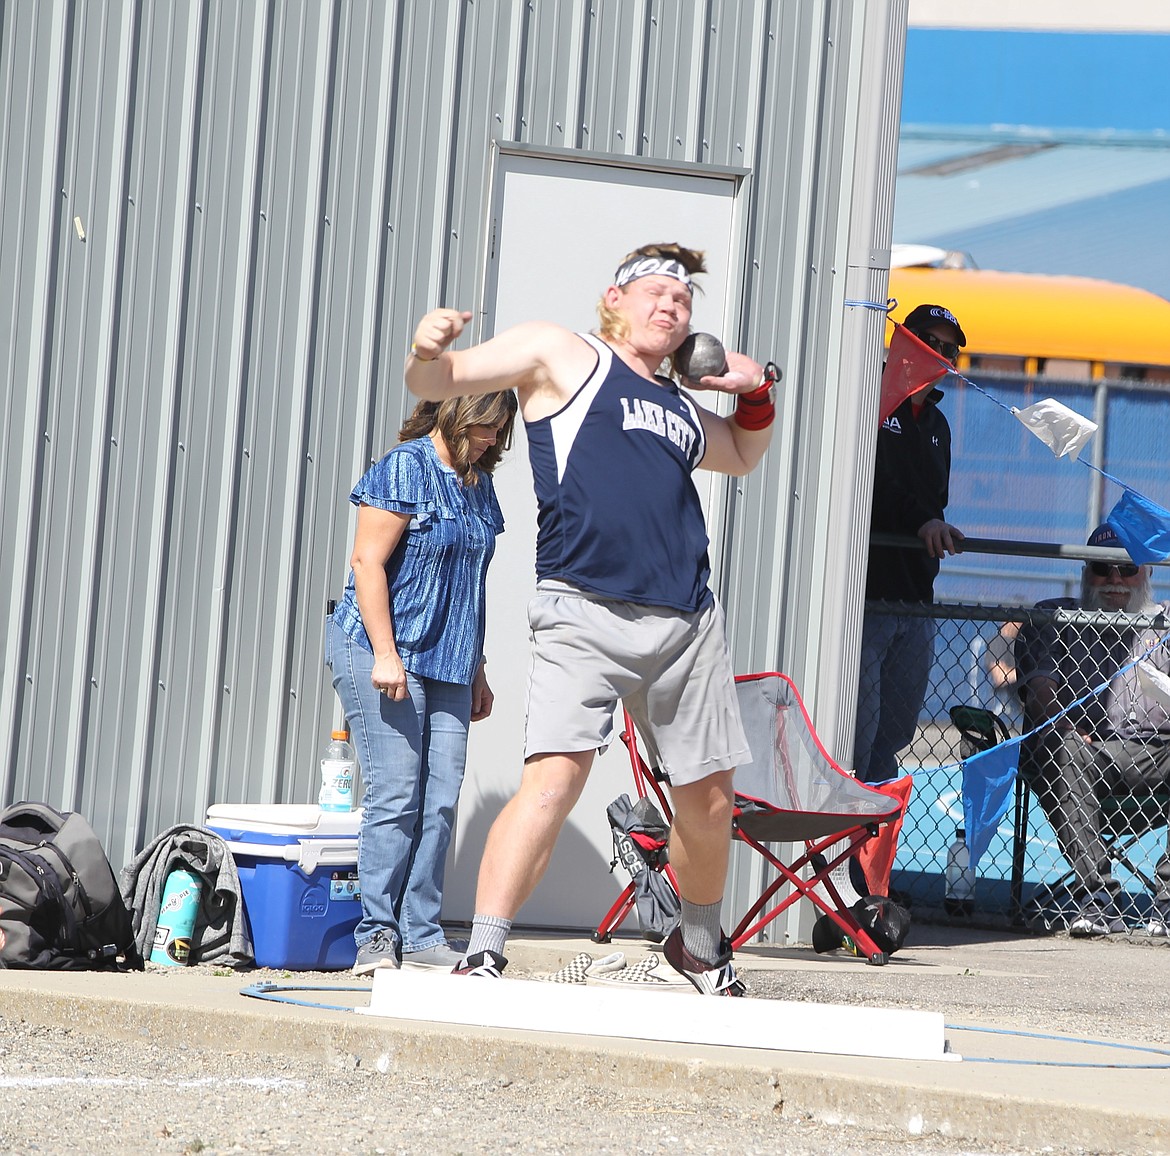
x=1141, y=525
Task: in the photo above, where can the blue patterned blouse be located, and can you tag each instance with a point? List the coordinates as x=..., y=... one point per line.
x=437, y=573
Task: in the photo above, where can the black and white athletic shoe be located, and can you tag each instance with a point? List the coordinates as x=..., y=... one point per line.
x=717, y=978
x=483, y=963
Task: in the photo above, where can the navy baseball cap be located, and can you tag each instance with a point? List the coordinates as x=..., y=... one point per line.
x=1104, y=535
x=924, y=316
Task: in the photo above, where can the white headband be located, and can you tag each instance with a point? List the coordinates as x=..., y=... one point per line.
x=651, y=267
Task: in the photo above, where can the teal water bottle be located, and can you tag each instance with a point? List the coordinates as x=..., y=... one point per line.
x=176, y=918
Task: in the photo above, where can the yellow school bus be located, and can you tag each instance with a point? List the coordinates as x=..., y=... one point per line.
x=1071, y=328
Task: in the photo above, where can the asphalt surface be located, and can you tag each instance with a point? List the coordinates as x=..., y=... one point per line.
x=1065, y=1046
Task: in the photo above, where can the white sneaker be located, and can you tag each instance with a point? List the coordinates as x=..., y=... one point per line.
x=1158, y=925
x=1097, y=916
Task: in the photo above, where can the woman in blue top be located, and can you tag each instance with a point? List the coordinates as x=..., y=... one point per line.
x=405, y=645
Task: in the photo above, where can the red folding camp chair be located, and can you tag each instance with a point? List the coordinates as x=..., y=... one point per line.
x=792, y=793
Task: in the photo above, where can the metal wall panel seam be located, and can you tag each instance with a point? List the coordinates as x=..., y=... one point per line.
x=230, y=385
x=94, y=375
x=511, y=130
x=811, y=211
x=820, y=461
x=518, y=21
x=871, y=90
x=796, y=88
x=156, y=624
x=330, y=230
x=363, y=302
x=741, y=325
x=400, y=281
x=253, y=352
x=35, y=738
x=19, y=514
x=638, y=72
x=475, y=125
x=548, y=114
x=444, y=160
x=821, y=465
x=195, y=592
x=583, y=55
x=865, y=332
x=283, y=517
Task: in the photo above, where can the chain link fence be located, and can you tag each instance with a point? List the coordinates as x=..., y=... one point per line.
x=1085, y=817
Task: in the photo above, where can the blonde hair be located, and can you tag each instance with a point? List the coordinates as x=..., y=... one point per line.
x=614, y=326
x=454, y=417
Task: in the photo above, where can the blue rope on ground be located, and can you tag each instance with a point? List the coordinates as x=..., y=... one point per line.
x=268, y=991
x=1058, y=1039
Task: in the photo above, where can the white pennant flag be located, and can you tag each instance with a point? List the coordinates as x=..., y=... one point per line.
x=1061, y=429
x=1154, y=683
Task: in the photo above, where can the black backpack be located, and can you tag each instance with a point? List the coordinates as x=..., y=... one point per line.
x=887, y=922
x=60, y=907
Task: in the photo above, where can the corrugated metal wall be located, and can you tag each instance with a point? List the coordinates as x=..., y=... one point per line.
x=220, y=223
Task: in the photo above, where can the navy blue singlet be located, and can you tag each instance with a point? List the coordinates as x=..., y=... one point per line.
x=619, y=514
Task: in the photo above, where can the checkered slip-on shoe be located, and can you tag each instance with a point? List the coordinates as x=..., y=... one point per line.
x=645, y=973
x=584, y=965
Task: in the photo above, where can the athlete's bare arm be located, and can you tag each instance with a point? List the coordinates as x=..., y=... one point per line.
x=543, y=362
x=731, y=449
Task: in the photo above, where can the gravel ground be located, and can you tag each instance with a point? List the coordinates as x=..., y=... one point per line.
x=63, y=1090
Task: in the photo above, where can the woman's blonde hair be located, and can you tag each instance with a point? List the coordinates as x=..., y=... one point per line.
x=454, y=417
x=614, y=326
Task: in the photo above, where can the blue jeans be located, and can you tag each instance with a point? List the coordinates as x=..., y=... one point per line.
x=412, y=756
x=897, y=652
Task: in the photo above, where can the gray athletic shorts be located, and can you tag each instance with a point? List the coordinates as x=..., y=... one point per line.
x=672, y=670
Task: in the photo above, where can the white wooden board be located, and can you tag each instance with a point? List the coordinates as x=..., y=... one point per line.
x=681, y=1017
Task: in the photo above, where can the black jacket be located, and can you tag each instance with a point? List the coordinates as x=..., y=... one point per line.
x=910, y=485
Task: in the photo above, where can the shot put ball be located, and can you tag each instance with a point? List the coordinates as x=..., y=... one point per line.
x=701, y=355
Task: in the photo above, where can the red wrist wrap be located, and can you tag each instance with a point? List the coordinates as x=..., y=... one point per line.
x=755, y=410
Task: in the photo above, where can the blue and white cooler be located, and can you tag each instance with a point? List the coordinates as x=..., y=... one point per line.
x=298, y=874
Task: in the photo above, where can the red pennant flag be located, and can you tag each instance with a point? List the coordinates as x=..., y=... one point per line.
x=877, y=856
x=911, y=365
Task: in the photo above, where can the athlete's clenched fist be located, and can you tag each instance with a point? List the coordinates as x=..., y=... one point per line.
x=436, y=331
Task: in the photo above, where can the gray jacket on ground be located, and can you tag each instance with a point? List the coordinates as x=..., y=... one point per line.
x=221, y=931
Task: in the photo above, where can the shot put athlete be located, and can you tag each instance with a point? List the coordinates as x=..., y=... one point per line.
x=623, y=611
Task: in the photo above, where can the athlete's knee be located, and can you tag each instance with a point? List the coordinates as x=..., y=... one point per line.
x=707, y=803
x=553, y=783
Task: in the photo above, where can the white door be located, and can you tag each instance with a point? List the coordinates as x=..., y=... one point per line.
x=559, y=227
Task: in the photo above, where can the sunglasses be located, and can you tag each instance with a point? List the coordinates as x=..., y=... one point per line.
x=1103, y=569
x=948, y=349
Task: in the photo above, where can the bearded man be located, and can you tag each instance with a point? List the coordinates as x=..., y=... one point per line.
x=1116, y=742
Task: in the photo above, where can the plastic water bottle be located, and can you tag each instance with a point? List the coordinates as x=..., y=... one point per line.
x=959, y=897
x=337, y=770
x=176, y=918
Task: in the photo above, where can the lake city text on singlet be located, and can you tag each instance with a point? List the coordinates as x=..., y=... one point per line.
x=619, y=514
